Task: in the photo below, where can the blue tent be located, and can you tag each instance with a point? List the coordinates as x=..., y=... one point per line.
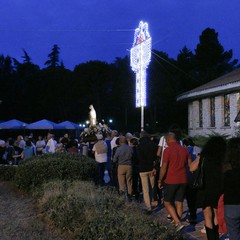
x=68, y=125
x=13, y=124
x=43, y=124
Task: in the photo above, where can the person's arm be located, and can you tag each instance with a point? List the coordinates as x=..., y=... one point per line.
x=163, y=172
x=189, y=160
x=115, y=157
x=159, y=151
x=194, y=165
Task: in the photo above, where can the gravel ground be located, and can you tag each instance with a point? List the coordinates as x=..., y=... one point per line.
x=19, y=218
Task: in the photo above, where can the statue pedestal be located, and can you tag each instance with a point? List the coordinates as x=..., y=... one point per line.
x=89, y=138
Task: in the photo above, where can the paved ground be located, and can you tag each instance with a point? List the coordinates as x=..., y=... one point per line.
x=190, y=231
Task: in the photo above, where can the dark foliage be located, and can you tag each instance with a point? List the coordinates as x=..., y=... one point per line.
x=29, y=93
x=7, y=173
x=62, y=166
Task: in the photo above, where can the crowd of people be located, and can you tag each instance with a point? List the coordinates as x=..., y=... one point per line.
x=12, y=151
x=161, y=171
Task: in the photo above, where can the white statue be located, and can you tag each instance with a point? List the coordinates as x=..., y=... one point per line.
x=92, y=116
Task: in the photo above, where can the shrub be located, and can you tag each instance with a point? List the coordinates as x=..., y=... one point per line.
x=62, y=166
x=7, y=173
x=98, y=213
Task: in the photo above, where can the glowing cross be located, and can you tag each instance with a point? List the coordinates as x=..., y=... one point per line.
x=139, y=60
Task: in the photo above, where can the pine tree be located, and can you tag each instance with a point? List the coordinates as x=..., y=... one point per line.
x=53, y=57
x=211, y=60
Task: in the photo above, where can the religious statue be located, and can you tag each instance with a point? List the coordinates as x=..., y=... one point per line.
x=92, y=116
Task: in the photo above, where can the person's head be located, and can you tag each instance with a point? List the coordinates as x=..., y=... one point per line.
x=2, y=143
x=19, y=138
x=171, y=137
x=233, y=152
x=28, y=143
x=114, y=133
x=133, y=142
x=191, y=142
x=214, y=149
x=188, y=142
x=128, y=136
x=99, y=136
x=185, y=142
x=122, y=140
x=175, y=128
x=40, y=138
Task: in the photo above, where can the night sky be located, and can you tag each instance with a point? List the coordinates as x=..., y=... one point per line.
x=104, y=29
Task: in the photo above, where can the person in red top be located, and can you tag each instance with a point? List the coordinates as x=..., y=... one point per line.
x=173, y=174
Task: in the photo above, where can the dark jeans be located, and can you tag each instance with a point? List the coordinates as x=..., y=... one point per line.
x=101, y=170
x=157, y=193
x=232, y=217
x=136, y=182
x=191, y=200
x=115, y=175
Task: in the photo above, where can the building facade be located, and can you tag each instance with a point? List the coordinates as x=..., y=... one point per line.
x=214, y=107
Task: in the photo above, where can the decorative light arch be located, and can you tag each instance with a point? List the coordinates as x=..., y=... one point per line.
x=139, y=60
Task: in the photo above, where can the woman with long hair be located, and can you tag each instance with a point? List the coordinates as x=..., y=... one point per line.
x=207, y=197
x=231, y=189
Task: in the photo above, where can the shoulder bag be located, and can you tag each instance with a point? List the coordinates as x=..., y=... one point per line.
x=199, y=175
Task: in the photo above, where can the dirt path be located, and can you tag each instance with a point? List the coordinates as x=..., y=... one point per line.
x=19, y=219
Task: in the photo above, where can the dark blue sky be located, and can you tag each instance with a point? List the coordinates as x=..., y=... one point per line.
x=104, y=29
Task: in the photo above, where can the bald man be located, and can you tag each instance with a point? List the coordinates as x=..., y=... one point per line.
x=174, y=175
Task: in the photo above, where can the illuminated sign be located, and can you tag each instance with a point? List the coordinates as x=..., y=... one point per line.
x=139, y=60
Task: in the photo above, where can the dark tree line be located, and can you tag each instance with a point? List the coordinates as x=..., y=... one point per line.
x=29, y=93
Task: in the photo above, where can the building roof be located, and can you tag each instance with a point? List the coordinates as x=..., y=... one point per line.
x=222, y=85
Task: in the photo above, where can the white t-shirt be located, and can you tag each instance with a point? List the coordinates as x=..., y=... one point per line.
x=100, y=157
x=163, y=144
x=50, y=147
x=113, y=143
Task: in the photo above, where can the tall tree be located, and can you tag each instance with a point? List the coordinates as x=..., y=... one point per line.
x=25, y=86
x=95, y=80
x=186, y=70
x=53, y=60
x=124, y=95
x=163, y=87
x=211, y=59
x=27, y=59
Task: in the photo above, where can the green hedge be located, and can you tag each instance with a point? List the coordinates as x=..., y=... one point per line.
x=63, y=166
x=88, y=212
x=7, y=173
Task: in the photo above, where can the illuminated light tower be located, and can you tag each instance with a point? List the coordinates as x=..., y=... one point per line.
x=140, y=56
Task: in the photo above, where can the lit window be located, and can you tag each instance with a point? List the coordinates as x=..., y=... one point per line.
x=227, y=110
x=212, y=112
x=200, y=114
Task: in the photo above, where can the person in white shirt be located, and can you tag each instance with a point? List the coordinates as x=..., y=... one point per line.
x=114, y=136
x=50, y=147
x=100, y=153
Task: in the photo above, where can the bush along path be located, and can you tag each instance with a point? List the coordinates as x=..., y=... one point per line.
x=19, y=219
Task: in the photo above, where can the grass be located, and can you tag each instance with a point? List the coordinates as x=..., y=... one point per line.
x=98, y=213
